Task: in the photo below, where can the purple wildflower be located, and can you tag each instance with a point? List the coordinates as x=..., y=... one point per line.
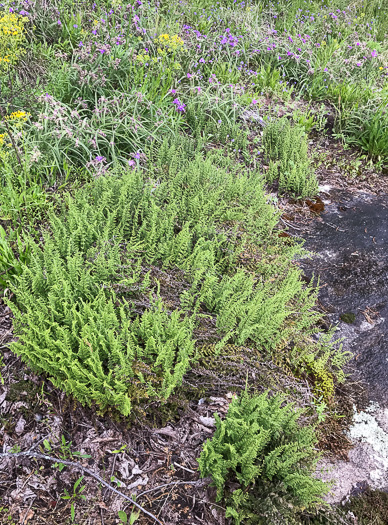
x=180, y=106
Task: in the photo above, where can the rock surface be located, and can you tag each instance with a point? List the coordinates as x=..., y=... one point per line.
x=350, y=241
x=350, y=245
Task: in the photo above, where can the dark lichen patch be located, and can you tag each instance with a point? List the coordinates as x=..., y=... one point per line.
x=348, y=317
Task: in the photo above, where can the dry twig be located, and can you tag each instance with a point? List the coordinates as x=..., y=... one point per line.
x=78, y=466
x=168, y=484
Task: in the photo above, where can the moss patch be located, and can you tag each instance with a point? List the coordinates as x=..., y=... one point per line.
x=348, y=317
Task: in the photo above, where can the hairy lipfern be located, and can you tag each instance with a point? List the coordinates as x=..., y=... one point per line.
x=88, y=312
x=286, y=147
x=260, y=442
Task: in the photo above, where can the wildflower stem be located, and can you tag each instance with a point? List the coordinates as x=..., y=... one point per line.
x=12, y=140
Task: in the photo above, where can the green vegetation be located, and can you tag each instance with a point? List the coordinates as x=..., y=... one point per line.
x=12, y=39
x=370, y=507
x=76, y=314
x=259, y=441
x=141, y=150
x=286, y=147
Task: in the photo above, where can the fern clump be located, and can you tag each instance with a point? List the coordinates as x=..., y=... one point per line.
x=75, y=316
x=94, y=351
x=261, y=442
x=286, y=147
x=88, y=307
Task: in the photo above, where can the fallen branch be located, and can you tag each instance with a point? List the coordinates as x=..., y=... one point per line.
x=159, y=487
x=290, y=225
x=78, y=466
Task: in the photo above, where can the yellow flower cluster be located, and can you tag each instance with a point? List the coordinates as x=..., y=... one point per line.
x=162, y=59
x=172, y=43
x=16, y=121
x=12, y=37
x=18, y=116
x=143, y=59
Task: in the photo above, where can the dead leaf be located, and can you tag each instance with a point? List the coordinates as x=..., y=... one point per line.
x=27, y=517
x=167, y=431
x=104, y=440
x=19, y=428
x=138, y=483
x=136, y=470
x=207, y=421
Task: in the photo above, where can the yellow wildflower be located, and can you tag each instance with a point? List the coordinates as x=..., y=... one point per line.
x=142, y=58
x=18, y=115
x=12, y=38
x=172, y=43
